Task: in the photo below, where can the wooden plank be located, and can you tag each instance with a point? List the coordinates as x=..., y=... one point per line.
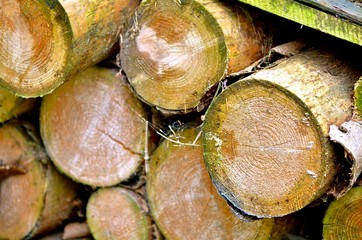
x=343, y=8
x=311, y=17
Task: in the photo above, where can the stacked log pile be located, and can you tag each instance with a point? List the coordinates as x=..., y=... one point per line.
x=175, y=119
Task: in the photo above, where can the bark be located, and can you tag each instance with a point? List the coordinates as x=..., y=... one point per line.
x=185, y=204
x=358, y=99
x=174, y=52
x=117, y=213
x=37, y=200
x=93, y=128
x=349, y=135
x=43, y=42
x=265, y=137
x=12, y=106
x=343, y=217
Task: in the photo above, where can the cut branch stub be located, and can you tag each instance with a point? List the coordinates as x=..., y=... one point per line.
x=343, y=219
x=92, y=127
x=42, y=42
x=117, y=213
x=173, y=52
x=185, y=204
x=265, y=137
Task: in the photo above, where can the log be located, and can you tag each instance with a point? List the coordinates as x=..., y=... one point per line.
x=76, y=230
x=265, y=138
x=184, y=203
x=358, y=98
x=118, y=213
x=93, y=128
x=43, y=42
x=12, y=106
x=343, y=217
x=174, y=52
x=301, y=13
x=36, y=200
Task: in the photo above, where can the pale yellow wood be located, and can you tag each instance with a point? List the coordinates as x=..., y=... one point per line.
x=311, y=17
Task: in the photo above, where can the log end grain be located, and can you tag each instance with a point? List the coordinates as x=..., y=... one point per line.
x=35, y=41
x=265, y=150
x=92, y=127
x=22, y=195
x=343, y=217
x=173, y=53
x=117, y=213
x=183, y=201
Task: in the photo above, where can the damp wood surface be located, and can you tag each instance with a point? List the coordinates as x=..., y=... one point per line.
x=325, y=22
x=279, y=159
x=93, y=129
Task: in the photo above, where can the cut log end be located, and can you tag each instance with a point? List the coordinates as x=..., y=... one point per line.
x=343, y=218
x=117, y=213
x=172, y=53
x=27, y=189
x=185, y=204
x=93, y=129
x=34, y=46
x=264, y=149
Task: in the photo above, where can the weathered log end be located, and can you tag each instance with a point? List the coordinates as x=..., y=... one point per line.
x=35, y=199
x=343, y=219
x=173, y=52
x=93, y=128
x=265, y=150
x=35, y=42
x=185, y=204
x=117, y=213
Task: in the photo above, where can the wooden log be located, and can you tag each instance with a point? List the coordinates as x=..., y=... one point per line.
x=174, y=52
x=93, y=129
x=76, y=230
x=305, y=15
x=343, y=217
x=43, y=42
x=118, y=213
x=38, y=199
x=12, y=106
x=265, y=137
x=358, y=99
x=184, y=203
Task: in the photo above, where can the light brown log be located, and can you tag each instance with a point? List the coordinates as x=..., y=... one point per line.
x=38, y=199
x=265, y=137
x=175, y=52
x=43, y=42
x=185, y=204
x=93, y=128
x=118, y=213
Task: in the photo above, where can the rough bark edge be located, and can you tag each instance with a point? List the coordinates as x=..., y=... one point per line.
x=349, y=136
